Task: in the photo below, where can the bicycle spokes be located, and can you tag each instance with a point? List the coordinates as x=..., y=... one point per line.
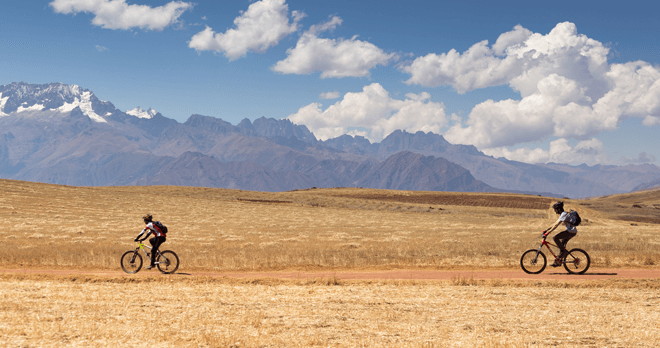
x=573, y=261
x=577, y=261
x=163, y=261
x=168, y=262
x=533, y=261
x=131, y=261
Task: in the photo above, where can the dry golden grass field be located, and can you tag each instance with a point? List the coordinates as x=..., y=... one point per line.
x=163, y=311
x=54, y=226
x=215, y=230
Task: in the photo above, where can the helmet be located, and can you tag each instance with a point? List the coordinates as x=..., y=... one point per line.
x=147, y=218
x=558, y=207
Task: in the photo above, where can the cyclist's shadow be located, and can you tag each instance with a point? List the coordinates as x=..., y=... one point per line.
x=585, y=274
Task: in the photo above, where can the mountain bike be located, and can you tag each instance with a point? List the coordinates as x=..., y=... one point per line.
x=533, y=261
x=167, y=261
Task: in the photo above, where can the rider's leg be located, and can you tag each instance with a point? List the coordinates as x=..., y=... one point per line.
x=155, y=244
x=562, y=239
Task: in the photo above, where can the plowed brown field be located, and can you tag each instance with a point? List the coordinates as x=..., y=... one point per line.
x=465, y=199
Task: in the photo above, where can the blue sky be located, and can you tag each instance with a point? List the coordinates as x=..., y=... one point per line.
x=568, y=81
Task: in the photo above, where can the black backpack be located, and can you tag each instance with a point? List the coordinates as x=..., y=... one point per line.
x=573, y=218
x=161, y=227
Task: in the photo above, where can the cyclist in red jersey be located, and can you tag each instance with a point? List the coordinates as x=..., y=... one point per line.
x=158, y=239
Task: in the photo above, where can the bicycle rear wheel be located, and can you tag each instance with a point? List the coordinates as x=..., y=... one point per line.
x=131, y=261
x=532, y=263
x=577, y=261
x=167, y=262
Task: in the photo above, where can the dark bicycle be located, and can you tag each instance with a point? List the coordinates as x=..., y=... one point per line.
x=167, y=261
x=533, y=261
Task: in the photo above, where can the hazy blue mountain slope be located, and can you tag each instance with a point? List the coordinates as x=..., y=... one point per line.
x=565, y=180
x=411, y=171
x=62, y=133
x=196, y=169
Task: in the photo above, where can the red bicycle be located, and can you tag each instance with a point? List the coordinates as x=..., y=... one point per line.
x=533, y=261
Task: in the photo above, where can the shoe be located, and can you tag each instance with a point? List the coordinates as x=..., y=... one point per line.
x=151, y=266
x=556, y=264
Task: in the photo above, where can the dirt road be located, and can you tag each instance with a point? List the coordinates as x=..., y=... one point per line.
x=548, y=274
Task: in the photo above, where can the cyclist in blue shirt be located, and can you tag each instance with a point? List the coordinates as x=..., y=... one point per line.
x=562, y=238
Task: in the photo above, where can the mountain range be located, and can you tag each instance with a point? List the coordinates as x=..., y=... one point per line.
x=63, y=134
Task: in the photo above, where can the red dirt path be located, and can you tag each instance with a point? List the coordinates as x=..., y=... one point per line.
x=548, y=274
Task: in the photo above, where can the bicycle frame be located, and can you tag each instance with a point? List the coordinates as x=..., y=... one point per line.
x=141, y=246
x=168, y=260
x=577, y=261
x=547, y=245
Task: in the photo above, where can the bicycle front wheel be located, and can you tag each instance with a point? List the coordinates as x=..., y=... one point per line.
x=167, y=262
x=131, y=261
x=533, y=261
x=577, y=261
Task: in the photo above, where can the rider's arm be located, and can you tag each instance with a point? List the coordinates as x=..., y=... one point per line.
x=141, y=233
x=553, y=227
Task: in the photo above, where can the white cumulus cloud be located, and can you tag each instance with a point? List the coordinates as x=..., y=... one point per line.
x=651, y=121
x=372, y=113
x=567, y=87
x=332, y=57
x=117, y=14
x=560, y=151
x=262, y=26
x=518, y=58
x=329, y=95
x=642, y=158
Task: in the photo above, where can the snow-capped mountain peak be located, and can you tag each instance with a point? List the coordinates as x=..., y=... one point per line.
x=84, y=103
x=140, y=113
x=21, y=97
x=34, y=107
x=3, y=101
